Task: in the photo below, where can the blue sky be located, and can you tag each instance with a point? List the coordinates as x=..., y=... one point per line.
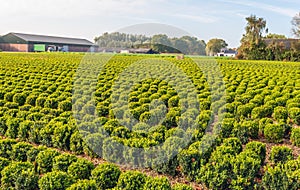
x=89, y=18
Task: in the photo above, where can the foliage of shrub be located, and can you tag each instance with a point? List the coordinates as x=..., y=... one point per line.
x=63, y=161
x=81, y=169
x=154, y=183
x=19, y=151
x=295, y=136
x=182, y=187
x=56, y=180
x=84, y=185
x=294, y=114
x=131, y=180
x=258, y=148
x=6, y=147
x=274, y=132
x=244, y=169
x=106, y=175
x=281, y=154
x=19, y=175
x=44, y=160
x=281, y=113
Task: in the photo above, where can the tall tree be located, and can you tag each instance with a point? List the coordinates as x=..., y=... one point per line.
x=214, y=46
x=252, y=44
x=296, y=25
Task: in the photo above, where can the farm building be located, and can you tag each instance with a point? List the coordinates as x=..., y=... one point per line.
x=19, y=42
x=227, y=53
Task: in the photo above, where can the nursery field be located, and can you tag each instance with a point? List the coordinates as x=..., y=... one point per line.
x=75, y=121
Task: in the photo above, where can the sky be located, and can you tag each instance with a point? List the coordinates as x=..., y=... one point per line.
x=204, y=19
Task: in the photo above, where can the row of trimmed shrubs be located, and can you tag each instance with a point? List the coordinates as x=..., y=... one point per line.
x=24, y=166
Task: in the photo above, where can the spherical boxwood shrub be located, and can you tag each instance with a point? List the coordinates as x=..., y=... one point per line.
x=281, y=154
x=274, y=133
x=55, y=181
x=295, y=115
x=131, y=180
x=182, y=187
x=280, y=113
x=244, y=168
x=275, y=178
x=65, y=105
x=3, y=163
x=258, y=148
x=295, y=136
x=63, y=161
x=19, y=175
x=84, y=185
x=19, y=99
x=81, y=169
x=106, y=175
x=44, y=160
x=157, y=183
x=19, y=151
x=6, y=147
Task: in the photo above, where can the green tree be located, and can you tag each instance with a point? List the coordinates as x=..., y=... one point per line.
x=214, y=46
x=296, y=25
x=252, y=44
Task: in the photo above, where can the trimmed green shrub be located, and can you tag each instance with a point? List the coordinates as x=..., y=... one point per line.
x=19, y=175
x=3, y=163
x=274, y=133
x=294, y=114
x=81, y=169
x=44, y=160
x=258, y=148
x=12, y=127
x=227, y=127
x=106, y=175
x=56, y=180
x=24, y=128
x=65, y=105
x=262, y=123
x=234, y=143
x=113, y=150
x=244, y=169
x=131, y=180
x=154, y=183
x=61, y=136
x=19, y=98
x=19, y=151
x=6, y=147
x=281, y=154
x=63, y=161
x=84, y=185
x=281, y=113
x=275, y=178
x=76, y=143
x=241, y=132
x=295, y=137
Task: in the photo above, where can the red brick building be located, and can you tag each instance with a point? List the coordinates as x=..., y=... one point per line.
x=18, y=42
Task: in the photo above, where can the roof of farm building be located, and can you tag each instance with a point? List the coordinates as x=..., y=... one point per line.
x=20, y=37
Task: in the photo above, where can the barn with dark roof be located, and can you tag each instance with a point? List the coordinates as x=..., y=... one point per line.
x=19, y=42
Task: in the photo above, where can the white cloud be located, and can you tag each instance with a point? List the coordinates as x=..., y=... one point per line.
x=272, y=8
